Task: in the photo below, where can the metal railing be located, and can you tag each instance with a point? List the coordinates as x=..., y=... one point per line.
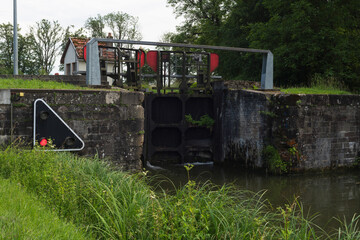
x=93, y=73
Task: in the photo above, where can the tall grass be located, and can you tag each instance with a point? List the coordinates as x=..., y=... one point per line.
x=321, y=85
x=114, y=205
x=36, y=84
x=22, y=216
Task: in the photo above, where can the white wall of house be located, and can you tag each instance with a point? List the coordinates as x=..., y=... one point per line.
x=81, y=65
x=70, y=61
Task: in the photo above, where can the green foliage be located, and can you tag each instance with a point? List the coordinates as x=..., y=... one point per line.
x=123, y=26
x=96, y=26
x=268, y=113
x=321, y=85
x=205, y=121
x=27, y=61
x=203, y=20
x=111, y=204
x=35, y=84
x=274, y=162
x=350, y=230
x=23, y=216
x=306, y=37
x=47, y=37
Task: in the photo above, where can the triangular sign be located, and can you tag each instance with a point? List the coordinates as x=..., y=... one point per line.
x=48, y=125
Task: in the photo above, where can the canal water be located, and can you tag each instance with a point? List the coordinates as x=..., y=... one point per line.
x=327, y=194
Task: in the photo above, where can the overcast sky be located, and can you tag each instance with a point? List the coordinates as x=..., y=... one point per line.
x=155, y=18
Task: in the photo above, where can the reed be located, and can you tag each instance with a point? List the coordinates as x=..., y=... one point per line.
x=110, y=204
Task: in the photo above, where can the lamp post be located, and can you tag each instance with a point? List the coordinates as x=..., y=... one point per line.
x=15, y=41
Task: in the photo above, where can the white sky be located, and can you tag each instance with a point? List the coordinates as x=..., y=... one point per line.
x=155, y=18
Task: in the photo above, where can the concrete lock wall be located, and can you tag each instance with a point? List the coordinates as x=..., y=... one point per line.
x=111, y=123
x=310, y=131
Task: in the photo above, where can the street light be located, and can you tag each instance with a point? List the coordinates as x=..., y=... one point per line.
x=15, y=41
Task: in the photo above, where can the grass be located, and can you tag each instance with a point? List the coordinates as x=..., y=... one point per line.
x=314, y=90
x=36, y=84
x=320, y=85
x=109, y=204
x=22, y=216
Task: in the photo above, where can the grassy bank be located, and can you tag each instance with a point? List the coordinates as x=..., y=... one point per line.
x=36, y=84
x=22, y=216
x=114, y=205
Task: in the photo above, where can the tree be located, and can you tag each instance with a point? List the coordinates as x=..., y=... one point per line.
x=203, y=19
x=6, y=48
x=96, y=26
x=28, y=63
x=123, y=26
x=235, y=32
x=310, y=38
x=47, y=39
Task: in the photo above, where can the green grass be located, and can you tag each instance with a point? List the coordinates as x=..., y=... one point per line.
x=22, y=216
x=111, y=204
x=321, y=85
x=314, y=90
x=36, y=84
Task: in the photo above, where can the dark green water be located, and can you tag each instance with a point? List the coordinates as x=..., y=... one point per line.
x=332, y=194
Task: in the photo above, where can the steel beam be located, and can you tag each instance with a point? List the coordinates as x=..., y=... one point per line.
x=267, y=71
x=93, y=75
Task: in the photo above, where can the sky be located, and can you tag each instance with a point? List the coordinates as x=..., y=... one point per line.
x=155, y=18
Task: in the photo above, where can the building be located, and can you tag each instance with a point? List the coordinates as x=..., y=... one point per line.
x=75, y=64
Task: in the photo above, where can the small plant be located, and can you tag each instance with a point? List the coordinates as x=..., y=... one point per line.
x=268, y=113
x=142, y=132
x=274, y=162
x=293, y=151
x=205, y=121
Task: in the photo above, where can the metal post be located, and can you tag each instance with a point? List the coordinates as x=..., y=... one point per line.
x=15, y=40
x=93, y=75
x=267, y=71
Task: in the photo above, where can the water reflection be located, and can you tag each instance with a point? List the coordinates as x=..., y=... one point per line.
x=335, y=194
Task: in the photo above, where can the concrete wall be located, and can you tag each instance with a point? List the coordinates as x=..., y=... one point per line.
x=110, y=123
x=309, y=131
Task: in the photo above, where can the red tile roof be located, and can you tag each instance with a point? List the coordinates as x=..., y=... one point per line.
x=79, y=43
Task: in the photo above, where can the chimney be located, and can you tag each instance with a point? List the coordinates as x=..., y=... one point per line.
x=109, y=36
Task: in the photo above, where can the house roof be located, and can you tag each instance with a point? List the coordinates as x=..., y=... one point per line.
x=79, y=43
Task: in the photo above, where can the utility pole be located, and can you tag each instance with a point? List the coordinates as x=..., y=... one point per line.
x=16, y=72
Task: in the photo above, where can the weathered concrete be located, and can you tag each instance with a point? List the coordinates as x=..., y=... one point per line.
x=110, y=123
x=309, y=131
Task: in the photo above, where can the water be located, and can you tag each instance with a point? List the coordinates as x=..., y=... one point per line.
x=331, y=194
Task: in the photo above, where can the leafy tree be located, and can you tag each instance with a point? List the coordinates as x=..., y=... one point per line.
x=123, y=26
x=96, y=26
x=234, y=32
x=6, y=48
x=309, y=38
x=47, y=39
x=28, y=63
x=203, y=19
